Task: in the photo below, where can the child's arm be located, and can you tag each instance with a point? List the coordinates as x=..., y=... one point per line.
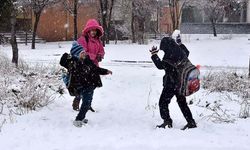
x=64, y=60
x=100, y=71
x=157, y=61
x=103, y=71
x=184, y=48
x=100, y=54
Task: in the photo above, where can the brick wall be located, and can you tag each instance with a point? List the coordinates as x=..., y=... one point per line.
x=165, y=21
x=54, y=21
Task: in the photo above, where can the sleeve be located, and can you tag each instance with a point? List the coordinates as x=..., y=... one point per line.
x=101, y=50
x=184, y=48
x=98, y=70
x=82, y=41
x=157, y=61
x=101, y=71
x=64, y=60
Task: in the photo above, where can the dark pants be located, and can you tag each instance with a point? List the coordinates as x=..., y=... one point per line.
x=86, y=95
x=166, y=96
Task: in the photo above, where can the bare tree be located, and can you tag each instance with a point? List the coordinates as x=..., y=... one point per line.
x=106, y=8
x=72, y=7
x=133, y=21
x=175, y=9
x=14, y=7
x=214, y=9
x=249, y=69
x=142, y=11
x=37, y=7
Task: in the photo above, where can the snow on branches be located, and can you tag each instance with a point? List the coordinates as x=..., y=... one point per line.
x=24, y=89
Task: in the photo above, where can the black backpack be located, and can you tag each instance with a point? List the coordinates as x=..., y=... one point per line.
x=188, y=77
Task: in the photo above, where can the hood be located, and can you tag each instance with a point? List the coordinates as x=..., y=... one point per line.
x=167, y=44
x=93, y=24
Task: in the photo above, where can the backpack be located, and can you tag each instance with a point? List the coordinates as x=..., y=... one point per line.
x=67, y=75
x=188, y=77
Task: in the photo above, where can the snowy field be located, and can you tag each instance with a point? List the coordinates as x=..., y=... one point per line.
x=127, y=104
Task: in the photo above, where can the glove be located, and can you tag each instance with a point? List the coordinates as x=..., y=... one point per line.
x=178, y=39
x=110, y=72
x=154, y=50
x=99, y=58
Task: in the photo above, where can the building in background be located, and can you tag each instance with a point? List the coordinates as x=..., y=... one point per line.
x=56, y=23
x=235, y=20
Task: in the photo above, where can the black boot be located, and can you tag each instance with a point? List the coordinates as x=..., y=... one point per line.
x=168, y=123
x=75, y=104
x=91, y=109
x=189, y=125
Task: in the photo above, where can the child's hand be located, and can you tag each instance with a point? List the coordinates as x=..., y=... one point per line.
x=99, y=58
x=154, y=50
x=110, y=72
x=178, y=39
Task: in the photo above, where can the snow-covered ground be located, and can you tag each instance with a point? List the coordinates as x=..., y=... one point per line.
x=127, y=104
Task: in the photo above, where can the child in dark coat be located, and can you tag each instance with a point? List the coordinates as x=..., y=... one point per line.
x=85, y=77
x=173, y=55
x=90, y=40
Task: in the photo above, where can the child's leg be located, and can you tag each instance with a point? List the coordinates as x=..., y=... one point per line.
x=76, y=103
x=166, y=96
x=87, y=96
x=181, y=100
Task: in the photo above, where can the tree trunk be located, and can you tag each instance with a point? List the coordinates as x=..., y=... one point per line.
x=13, y=38
x=103, y=5
x=26, y=38
x=141, y=30
x=214, y=28
x=37, y=18
x=133, y=23
x=242, y=13
x=75, y=20
x=249, y=69
x=105, y=18
x=116, y=36
x=109, y=20
x=176, y=8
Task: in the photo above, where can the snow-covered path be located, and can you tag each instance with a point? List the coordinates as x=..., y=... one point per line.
x=127, y=110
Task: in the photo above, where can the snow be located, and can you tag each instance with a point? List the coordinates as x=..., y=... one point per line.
x=127, y=104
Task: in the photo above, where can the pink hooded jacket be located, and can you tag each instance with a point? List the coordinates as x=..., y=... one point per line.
x=93, y=46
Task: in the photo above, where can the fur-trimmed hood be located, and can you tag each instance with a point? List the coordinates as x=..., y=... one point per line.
x=93, y=24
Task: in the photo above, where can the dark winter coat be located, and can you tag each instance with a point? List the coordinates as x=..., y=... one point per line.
x=184, y=48
x=174, y=55
x=84, y=73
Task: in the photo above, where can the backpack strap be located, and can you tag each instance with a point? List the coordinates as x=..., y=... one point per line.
x=176, y=65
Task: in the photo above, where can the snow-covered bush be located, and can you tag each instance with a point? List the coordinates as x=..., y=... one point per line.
x=224, y=81
x=235, y=89
x=25, y=88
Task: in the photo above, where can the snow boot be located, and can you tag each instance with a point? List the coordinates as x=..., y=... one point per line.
x=85, y=121
x=75, y=104
x=79, y=123
x=168, y=123
x=189, y=125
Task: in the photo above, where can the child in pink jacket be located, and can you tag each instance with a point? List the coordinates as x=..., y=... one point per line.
x=90, y=41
